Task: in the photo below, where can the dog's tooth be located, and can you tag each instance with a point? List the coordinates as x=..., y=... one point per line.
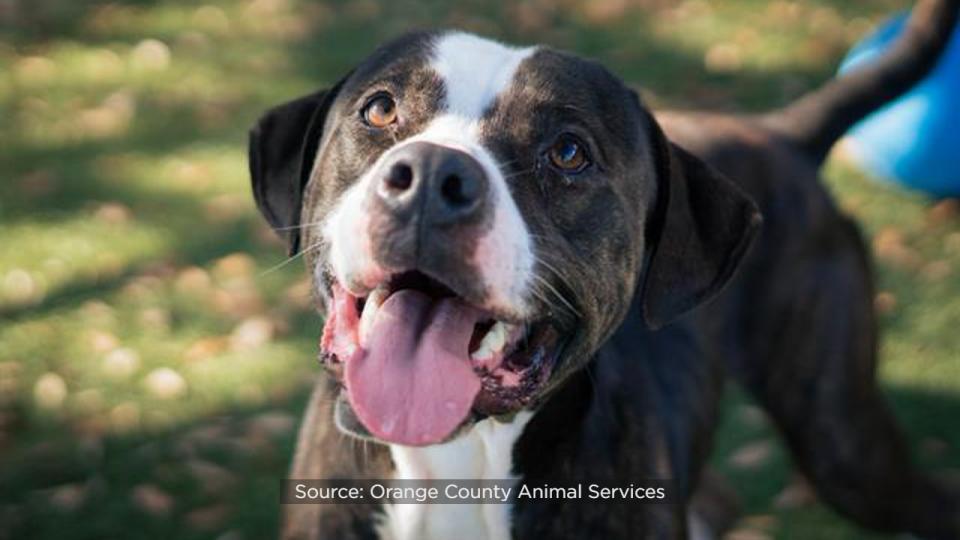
x=496, y=337
x=369, y=315
x=482, y=353
x=378, y=296
x=366, y=326
x=492, y=343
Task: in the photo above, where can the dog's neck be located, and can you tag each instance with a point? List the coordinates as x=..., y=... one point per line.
x=484, y=453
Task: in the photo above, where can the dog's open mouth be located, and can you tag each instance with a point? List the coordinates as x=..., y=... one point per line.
x=417, y=360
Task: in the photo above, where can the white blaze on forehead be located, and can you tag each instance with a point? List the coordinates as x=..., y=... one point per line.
x=474, y=71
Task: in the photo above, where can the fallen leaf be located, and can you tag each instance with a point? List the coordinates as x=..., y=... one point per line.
x=121, y=363
x=752, y=455
x=102, y=342
x=251, y=333
x=234, y=266
x=205, y=348
x=211, y=477
x=68, y=497
x=723, y=58
x=50, y=390
x=113, y=213
x=752, y=416
x=150, y=55
x=885, y=302
x=165, y=383
x=890, y=246
x=798, y=493
x=193, y=280
x=155, y=319
x=152, y=500
x=271, y=424
x=125, y=417
x=746, y=534
x=208, y=517
x=944, y=212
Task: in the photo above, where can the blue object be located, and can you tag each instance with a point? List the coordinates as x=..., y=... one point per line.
x=915, y=140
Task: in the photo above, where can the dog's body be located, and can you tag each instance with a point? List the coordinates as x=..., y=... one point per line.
x=652, y=237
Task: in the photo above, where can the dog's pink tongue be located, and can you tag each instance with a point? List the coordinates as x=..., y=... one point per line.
x=414, y=384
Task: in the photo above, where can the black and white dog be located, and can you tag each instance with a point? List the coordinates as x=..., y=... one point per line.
x=527, y=275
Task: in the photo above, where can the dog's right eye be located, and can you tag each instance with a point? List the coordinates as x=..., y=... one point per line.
x=380, y=111
x=568, y=154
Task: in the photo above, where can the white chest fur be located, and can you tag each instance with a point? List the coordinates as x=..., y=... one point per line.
x=484, y=452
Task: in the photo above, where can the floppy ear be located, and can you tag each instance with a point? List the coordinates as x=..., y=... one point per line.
x=701, y=229
x=283, y=145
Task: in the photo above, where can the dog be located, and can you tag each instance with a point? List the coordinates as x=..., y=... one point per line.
x=527, y=275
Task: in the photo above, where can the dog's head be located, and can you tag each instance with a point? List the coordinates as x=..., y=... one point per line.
x=477, y=219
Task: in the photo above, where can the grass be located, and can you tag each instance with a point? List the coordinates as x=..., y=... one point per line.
x=153, y=357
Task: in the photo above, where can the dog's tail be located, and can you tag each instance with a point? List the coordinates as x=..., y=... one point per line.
x=818, y=119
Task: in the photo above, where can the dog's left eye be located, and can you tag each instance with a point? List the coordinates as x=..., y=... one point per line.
x=380, y=112
x=568, y=154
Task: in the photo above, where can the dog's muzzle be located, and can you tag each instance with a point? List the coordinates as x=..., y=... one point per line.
x=430, y=205
x=421, y=350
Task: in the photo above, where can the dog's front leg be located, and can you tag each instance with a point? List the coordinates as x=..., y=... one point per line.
x=323, y=452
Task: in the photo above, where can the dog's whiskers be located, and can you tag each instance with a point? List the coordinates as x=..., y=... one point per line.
x=563, y=280
x=287, y=261
x=563, y=299
x=301, y=226
x=519, y=173
x=506, y=164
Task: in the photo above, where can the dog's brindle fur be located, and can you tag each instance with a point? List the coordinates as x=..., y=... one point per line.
x=794, y=325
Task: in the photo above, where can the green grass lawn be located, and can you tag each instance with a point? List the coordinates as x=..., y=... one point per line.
x=155, y=352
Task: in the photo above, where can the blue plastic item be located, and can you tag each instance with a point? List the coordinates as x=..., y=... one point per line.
x=915, y=140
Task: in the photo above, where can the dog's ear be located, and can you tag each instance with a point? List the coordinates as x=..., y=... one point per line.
x=283, y=145
x=700, y=230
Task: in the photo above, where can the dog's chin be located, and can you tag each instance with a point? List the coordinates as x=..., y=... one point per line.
x=418, y=364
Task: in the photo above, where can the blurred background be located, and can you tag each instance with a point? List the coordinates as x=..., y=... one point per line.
x=156, y=348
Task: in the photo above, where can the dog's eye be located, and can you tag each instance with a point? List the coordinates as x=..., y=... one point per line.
x=568, y=154
x=380, y=112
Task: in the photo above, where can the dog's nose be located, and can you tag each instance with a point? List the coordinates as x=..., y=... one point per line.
x=447, y=185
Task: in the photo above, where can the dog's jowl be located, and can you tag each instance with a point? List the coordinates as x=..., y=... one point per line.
x=526, y=275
